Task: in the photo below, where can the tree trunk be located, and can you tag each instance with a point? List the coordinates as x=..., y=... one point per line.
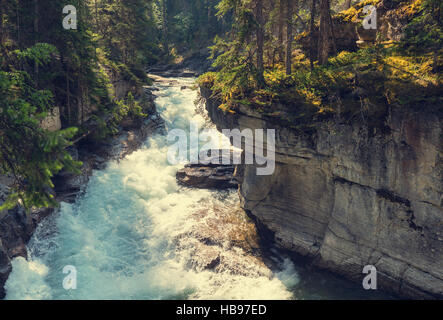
x=211, y=27
x=68, y=94
x=348, y=4
x=312, y=38
x=281, y=21
x=36, y=12
x=324, y=36
x=18, y=23
x=2, y=23
x=36, y=16
x=289, y=15
x=97, y=23
x=437, y=14
x=165, y=27
x=260, y=42
x=435, y=61
x=332, y=34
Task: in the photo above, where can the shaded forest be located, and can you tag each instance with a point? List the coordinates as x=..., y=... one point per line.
x=44, y=66
x=297, y=61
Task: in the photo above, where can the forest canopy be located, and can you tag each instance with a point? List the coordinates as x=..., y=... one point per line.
x=43, y=66
x=314, y=57
x=317, y=59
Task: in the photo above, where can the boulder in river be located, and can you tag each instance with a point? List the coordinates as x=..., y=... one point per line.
x=212, y=174
x=206, y=177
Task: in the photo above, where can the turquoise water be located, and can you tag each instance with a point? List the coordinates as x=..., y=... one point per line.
x=122, y=235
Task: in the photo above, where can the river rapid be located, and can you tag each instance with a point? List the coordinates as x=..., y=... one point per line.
x=136, y=234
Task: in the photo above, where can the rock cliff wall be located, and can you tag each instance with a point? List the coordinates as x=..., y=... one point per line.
x=347, y=197
x=16, y=228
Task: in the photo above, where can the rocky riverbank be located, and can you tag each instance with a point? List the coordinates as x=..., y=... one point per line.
x=346, y=197
x=194, y=64
x=17, y=227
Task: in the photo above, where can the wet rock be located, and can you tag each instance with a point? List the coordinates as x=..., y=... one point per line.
x=16, y=228
x=5, y=268
x=223, y=239
x=173, y=71
x=160, y=68
x=215, y=172
x=198, y=62
x=188, y=74
x=226, y=227
x=204, y=257
x=348, y=197
x=204, y=177
x=68, y=185
x=192, y=66
x=95, y=156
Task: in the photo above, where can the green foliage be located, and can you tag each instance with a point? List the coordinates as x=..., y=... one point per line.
x=352, y=85
x=39, y=53
x=43, y=65
x=126, y=30
x=234, y=56
x=126, y=109
x=425, y=32
x=185, y=26
x=359, y=85
x=355, y=13
x=29, y=153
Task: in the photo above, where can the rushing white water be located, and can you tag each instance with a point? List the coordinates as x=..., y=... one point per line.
x=134, y=234
x=121, y=235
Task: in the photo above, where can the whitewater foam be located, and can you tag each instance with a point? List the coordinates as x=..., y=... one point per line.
x=121, y=235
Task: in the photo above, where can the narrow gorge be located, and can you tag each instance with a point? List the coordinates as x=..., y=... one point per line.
x=347, y=197
x=133, y=209
x=221, y=150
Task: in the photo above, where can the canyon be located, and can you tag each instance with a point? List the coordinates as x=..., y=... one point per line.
x=348, y=196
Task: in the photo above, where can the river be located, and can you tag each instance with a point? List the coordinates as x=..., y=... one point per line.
x=131, y=235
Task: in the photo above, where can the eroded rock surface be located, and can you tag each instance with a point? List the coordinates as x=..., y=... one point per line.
x=16, y=228
x=349, y=197
x=223, y=239
x=213, y=174
x=205, y=177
